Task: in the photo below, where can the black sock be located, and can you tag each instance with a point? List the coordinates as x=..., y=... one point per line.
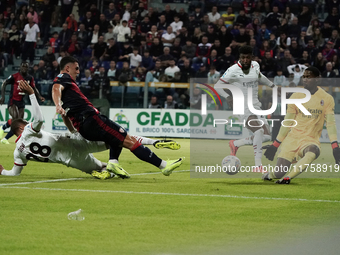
x=9, y=135
x=114, y=153
x=145, y=154
x=7, y=125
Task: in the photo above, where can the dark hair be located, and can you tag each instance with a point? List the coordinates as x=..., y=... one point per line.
x=24, y=63
x=65, y=60
x=246, y=49
x=16, y=124
x=312, y=69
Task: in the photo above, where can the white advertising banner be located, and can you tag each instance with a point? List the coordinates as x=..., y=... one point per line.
x=160, y=123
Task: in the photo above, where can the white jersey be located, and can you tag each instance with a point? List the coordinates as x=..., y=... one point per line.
x=47, y=147
x=235, y=76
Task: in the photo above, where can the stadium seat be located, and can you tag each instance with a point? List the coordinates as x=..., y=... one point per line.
x=89, y=64
x=196, y=66
x=119, y=65
x=105, y=64
x=237, y=5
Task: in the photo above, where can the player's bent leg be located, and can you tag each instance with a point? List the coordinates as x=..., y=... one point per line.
x=281, y=168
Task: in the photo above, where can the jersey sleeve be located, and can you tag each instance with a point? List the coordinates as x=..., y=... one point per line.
x=229, y=76
x=63, y=80
x=32, y=83
x=256, y=66
x=329, y=109
x=19, y=159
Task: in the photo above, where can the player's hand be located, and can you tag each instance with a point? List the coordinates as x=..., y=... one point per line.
x=2, y=100
x=25, y=87
x=42, y=99
x=271, y=150
x=336, y=152
x=60, y=110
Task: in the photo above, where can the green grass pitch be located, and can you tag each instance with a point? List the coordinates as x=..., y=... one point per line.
x=154, y=214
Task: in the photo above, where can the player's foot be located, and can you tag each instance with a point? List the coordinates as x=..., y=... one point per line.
x=103, y=175
x=233, y=148
x=171, y=165
x=169, y=144
x=1, y=132
x=4, y=141
x=117, y=170
x=258, y=169
x=284, y=180
x=266, y=177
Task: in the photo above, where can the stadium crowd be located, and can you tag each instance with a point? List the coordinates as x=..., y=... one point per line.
x=131, y=41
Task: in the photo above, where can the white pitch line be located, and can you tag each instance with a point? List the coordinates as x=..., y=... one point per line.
x=177, y=194
x=160, y=172
x=55, y=180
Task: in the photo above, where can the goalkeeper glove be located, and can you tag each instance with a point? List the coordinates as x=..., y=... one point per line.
x=336, y=152
x=271, y=150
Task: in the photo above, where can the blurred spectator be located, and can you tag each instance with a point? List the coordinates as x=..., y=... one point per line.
x=214, y=15
x=297, y=71
x=264, y=48
x=326, y=31
x=176, y=49
x=82, y=36
x=95, y=66
x=71, y=23
x=176, y=24
x=263, y=33
x=328, y=51
x=103, y=24
x=99, y=49
x=268, y=65
x=64, y=35
x=285, y=61
x=333, y=17
x=335, y=38
x=242, y=18
x=66, y=9
x=168, y=13
x=127, y=49
x=305, y=59
x=211, y=34
x=116, y=21
x=123, y=32
x=195, y=100
x=280, y=79
x=213, y=75
x=225, y=37
x=162, y=25
x=15, y=38
x=55, y=70
x=197, y=36
x=228, y=17
x=134, y=38
x=100, y=89
x=198, y=14
x=6, y=49
x=205, y=23
x=336, y=64
x=288, y=15
x=153, y=16
x=172, y=70
x=143, y=46
x=125, y=74
x=73, y=47
x=41, y=73
x=202, y=51
x=94, y=35
x=141, y=11
x=112, y=51
x=109, y=34
x=135, y=58
x=166, y=57
x=294, y=30
x=168, y=38
x=147, y=61
x=45, y=22
x=212, y=60
x=272, y=20
x=88, y=21
x=318, y=39
x=33, y=14
x=32, y=33
x=145, y=26
x=110, y=12
x=61, y=55
x=151, y=35
x=49, y=57
x=139, y=74
x=10, y=21
x=319, y=62
x=186, y=71
x=283, y=42
x=272, y=43
x=328, y=73
x=314, y=24
x=154, y=103
x=295, y=49
x=242, y=38
x=202, y=72
x=226, y=60
x=21, y=22
x=156, y=48
x=156, y=73
x=170, y=103
x=111, y=73
x=305, y=17
x=189, y=49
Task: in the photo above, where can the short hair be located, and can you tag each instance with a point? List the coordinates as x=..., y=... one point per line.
x=16, y=124
x=314, y=71
x=65, y=60
x=246, y=49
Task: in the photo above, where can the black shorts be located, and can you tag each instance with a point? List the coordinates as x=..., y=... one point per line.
x=101, y=128
x=19, y=104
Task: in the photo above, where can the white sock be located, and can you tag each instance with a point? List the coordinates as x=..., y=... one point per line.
x=163, y=165
x=257, y=145
x=244, y=141
x=266, y=138
x=113, y=161
x=144, y=140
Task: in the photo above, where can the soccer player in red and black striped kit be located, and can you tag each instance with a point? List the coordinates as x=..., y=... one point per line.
x=79, y=113
x=16, y=103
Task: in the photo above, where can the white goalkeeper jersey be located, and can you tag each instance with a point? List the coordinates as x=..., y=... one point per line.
x=42, y=146
x=235, y=76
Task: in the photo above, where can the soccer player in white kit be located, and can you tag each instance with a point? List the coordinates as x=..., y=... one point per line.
x=244, y=74
x=71, y=150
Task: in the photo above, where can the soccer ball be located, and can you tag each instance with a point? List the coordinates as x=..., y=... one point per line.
x=231, y=165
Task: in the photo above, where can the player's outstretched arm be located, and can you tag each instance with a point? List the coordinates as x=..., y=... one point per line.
x=37, y=114
x=56, y=96
x=69, y=124
x=265, y=81
x=332, y=134
x=3, y=89
x=37, y=94
x=16, y=170
x=271, y=149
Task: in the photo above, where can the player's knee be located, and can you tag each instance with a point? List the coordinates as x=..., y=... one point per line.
x=259, y=131
x=312, y=151
x=130, y=143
